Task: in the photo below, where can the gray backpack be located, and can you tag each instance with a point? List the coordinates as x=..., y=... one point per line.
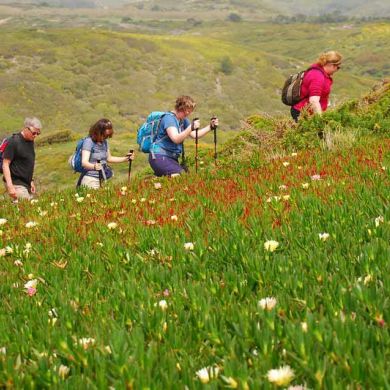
x=291, y=92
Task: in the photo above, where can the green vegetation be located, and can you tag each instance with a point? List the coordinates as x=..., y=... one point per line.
x=142, y=287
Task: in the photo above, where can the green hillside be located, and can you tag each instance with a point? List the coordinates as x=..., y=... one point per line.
x=70, y=77
x=266, y=271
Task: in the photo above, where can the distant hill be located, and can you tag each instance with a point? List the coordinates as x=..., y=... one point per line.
x=247, y=8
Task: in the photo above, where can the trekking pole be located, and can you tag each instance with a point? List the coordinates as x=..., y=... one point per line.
x=102, y=175
x=196, y=144
x=131, y=151
x=214, y=128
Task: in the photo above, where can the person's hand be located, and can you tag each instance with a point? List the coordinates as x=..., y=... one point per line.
x=33, y=189
x=195, y=124
x=214, y=122
x=97, y=166
x=130, y=156
x=11, y=191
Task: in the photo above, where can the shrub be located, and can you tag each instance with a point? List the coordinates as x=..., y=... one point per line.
x=234, y=18
x=56, y=138
x=226, y=66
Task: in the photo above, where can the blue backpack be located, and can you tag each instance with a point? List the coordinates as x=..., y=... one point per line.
x=75, y=160
x=147, y=132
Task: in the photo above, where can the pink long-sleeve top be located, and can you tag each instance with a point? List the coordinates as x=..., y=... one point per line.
x=316, y=82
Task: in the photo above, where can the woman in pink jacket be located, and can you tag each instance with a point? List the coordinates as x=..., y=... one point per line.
x=317, y=84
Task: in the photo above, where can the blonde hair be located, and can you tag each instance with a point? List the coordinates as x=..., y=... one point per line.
x=329, y=57
x=184, y=103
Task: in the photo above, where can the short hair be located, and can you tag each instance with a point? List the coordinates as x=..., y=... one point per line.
x=329, y=57
x=184, y=103
x=98, y=130
x=33, y=122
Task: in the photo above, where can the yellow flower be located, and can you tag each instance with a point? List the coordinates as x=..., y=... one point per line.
x=281, y=376
x=174, y=218
x=271, y=245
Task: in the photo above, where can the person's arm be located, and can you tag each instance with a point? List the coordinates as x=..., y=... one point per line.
x=113, y=159
x=315, y=104
x=85, y=155
x=205, y=130
x=8, y=180
x=176, y=137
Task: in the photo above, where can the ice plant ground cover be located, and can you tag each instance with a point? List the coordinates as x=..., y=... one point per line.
x=132, y=307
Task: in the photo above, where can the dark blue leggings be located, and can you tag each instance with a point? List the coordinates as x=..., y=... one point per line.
x=164, y=165
x=295, y=114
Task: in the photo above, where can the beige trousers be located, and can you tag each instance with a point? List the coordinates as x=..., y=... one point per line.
x=90, y=182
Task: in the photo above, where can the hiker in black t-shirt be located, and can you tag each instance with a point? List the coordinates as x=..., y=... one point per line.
x=19, y=161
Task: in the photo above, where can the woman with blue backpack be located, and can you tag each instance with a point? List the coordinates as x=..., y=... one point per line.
x=173, y=129
x=95, y=154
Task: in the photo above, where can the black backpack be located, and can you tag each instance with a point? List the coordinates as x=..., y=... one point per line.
x=291, y=92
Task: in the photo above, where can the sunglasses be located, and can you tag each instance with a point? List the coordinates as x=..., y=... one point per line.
x=35, y=133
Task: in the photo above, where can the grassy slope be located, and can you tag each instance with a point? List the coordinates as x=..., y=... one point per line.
x=106, y=284
x=71, y=77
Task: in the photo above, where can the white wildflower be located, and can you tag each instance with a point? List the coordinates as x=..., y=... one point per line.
x=112, y=225
x=323, y=236
x=281, y=376
x=315, y=177
x=163, y=305
x=157, y=186
x=189, y=246
x=31, y=224
x=379, y=220
x=174, y=218
x=86, y=342
x=3, y=221
x=368, y=279
x=63, y=371
x=267, y=303
x=203, y=375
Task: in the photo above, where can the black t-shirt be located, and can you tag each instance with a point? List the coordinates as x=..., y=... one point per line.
x=21, y=153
